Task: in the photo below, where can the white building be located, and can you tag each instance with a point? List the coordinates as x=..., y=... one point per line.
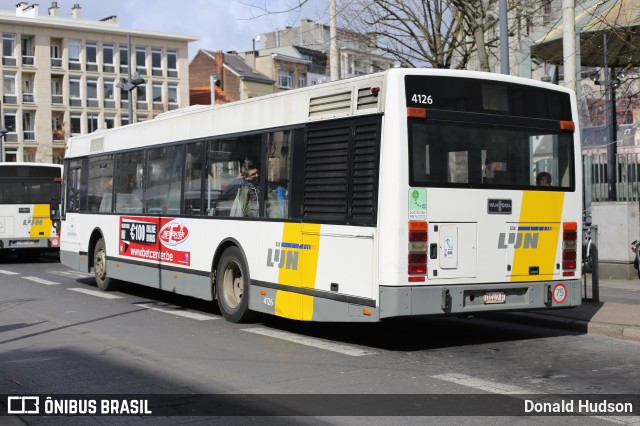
x=59, y=77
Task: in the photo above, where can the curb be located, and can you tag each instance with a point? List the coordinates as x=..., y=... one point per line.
x=625, y=332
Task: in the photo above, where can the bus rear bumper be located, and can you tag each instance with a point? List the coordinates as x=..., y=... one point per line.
x=476, y=298
x=35, y=244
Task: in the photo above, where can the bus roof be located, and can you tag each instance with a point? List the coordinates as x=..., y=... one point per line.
x=343, y=98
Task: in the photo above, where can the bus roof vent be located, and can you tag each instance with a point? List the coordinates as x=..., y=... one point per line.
x=330, y=105
x=96, y=145
x=366, y=99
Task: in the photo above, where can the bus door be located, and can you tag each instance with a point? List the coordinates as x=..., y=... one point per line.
x=452, y=250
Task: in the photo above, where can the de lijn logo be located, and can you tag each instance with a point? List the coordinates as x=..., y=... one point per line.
x=285, y=255
x=525, y=237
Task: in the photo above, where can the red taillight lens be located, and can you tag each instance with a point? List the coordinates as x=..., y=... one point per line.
x=416, y=268
x=417, y=236
x=417, y=258
x=569, y=248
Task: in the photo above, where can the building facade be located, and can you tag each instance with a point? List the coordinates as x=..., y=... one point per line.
x=63, y=76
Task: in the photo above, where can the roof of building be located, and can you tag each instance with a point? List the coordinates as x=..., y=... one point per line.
x=239, y=67
x=107, y=25
x=201, y=95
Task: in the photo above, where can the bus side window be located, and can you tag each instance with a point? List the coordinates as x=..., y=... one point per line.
x=278, y=169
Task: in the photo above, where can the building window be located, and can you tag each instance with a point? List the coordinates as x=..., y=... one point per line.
x=285, y=79
x=74, y=54
x=10, y=121
x=157, y=93
x=124, y=59
x=141, y=97
x=92, y=122
x=124, y=120
x=76, y=124
x=56, y=55
x=9, y=88
x=108, y=90
x=172, y=93
x=92, y=56
x=92, y=93
x=141, y=60
x=302, y=80
x=56, y=92
x=172, y=63
x=107, y=58
x=75, y=96
x=109, y=121
x=28, y=130
x=156, y=61
x=9, y=49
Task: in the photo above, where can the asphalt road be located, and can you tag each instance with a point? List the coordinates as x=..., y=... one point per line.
x=60, y=335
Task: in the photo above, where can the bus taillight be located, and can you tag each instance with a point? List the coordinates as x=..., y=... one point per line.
x=417, y=256
x=569, y=248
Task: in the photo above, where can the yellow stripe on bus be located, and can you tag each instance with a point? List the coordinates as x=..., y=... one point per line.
x=41, y=224
x=293, y=305
x=543, y=211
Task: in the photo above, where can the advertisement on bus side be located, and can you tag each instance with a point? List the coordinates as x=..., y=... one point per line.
x=163, y=240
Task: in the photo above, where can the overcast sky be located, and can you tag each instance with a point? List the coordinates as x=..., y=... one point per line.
x=220, y=24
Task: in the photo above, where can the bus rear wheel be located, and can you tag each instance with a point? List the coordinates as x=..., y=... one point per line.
x=232, y=286
x=103, y=281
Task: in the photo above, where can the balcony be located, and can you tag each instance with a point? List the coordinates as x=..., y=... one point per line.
x=9, y=61
x=75, y=65
x=28, y=98
x=58, y=135
x=28, y=61
x=56, y=63
x=10, y=99
x=57, y=99
x=29, y=135
x=109, y=103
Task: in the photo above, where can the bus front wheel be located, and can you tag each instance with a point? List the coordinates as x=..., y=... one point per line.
x=232, y=286
x=104, y=282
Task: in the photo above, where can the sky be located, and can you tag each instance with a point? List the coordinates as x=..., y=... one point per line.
x=220, y=24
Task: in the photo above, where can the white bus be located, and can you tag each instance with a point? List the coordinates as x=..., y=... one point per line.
x=30, y=196
x=404, y=193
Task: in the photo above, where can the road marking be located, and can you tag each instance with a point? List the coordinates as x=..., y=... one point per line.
x=501, y=388
x=310, y=341
x=8, y=272
x=95, y=293
x=176, y=310
x=485, y=385
x=72, y=274
x=40, y=281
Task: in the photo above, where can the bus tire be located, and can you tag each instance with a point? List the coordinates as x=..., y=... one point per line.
x=232, y=286
x=103, y=281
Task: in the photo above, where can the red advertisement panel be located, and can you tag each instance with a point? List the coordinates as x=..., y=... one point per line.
x=164, y=240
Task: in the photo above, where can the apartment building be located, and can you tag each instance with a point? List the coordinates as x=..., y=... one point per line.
x=63, y=76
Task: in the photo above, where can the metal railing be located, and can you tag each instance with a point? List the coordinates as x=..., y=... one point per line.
x=595, y=178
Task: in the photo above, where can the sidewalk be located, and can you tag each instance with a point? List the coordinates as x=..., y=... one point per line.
x=617, y=314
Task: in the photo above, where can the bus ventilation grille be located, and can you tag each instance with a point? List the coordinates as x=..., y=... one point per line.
x=331, y=105
x=341, y=172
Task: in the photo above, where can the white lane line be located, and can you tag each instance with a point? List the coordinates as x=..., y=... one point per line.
x=2, y=271
x=40, y=281
x=95, y=293
x=310, y=341
x=176, y=310
x=72, y=274
x=485, y=385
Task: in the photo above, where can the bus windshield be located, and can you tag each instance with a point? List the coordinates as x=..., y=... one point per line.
x=472, y=155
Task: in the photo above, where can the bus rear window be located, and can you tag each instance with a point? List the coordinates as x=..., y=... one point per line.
x=475, y=156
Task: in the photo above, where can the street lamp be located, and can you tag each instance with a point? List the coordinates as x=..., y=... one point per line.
x=131, y=82
x=611, y=81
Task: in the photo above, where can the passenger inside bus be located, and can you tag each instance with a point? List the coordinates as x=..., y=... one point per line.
x=245, y=203
x=543, y=179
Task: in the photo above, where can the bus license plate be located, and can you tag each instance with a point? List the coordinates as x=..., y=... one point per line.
x=495, y=297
